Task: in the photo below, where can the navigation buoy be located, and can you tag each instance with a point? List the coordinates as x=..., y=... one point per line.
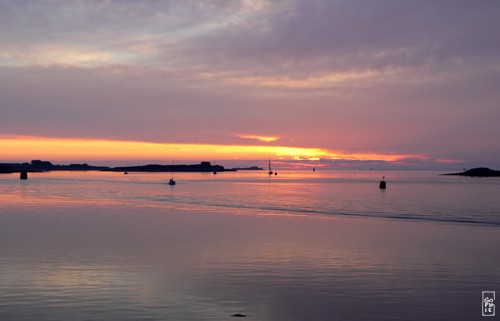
x=382, y=183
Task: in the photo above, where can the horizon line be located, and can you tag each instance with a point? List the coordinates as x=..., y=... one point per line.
x=24, y=147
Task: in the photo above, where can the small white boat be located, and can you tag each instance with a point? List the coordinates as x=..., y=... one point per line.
x=171, y=182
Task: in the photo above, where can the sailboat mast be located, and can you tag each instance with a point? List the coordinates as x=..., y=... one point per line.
x=172, y=182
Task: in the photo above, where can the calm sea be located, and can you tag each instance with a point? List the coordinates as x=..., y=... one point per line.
x=302, y=245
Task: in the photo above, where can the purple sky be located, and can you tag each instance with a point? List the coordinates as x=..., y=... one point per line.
x=405, y=77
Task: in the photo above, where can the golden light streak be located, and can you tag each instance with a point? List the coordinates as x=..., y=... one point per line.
x=266, y=139
x=28, y=148
x=55, y=56
x=312, y=81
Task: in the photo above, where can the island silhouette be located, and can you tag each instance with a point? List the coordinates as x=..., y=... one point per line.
x=478, y=172
x=45, y=166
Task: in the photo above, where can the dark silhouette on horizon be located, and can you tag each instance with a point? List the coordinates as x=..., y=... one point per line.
x=46, y=166
x=478, y=172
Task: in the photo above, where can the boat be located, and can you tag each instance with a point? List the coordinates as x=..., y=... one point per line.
x=270, y=171
x=125, y=173
x=171, y=182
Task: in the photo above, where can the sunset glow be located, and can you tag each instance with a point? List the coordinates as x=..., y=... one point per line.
x=244, y=79
x=27, y=148
x=260, y=138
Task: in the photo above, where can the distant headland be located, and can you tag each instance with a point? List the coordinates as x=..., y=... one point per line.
x=478, y=172
x=45, y=166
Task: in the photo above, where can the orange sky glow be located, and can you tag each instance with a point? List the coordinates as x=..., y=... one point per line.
x=27, y=148
x=226, y=81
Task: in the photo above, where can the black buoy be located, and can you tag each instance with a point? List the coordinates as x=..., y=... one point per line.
x=24, y=175
x=314, y=169
x=275, y=173
x=382, y=184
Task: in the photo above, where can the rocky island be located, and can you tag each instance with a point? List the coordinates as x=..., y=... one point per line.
x=202, y=167
x=478, y=172
x=45, y=166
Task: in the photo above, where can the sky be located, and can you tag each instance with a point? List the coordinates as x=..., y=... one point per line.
x=413, y=83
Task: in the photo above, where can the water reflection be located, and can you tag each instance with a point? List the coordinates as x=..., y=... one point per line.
x=411, y=195
x=115, y=248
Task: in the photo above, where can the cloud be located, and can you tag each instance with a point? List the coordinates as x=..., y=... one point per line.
x=266, y=139
x=301, y=40
x=22, y=147
x=412, y=77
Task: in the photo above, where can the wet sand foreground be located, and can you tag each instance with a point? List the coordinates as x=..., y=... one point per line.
x=89, y=262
